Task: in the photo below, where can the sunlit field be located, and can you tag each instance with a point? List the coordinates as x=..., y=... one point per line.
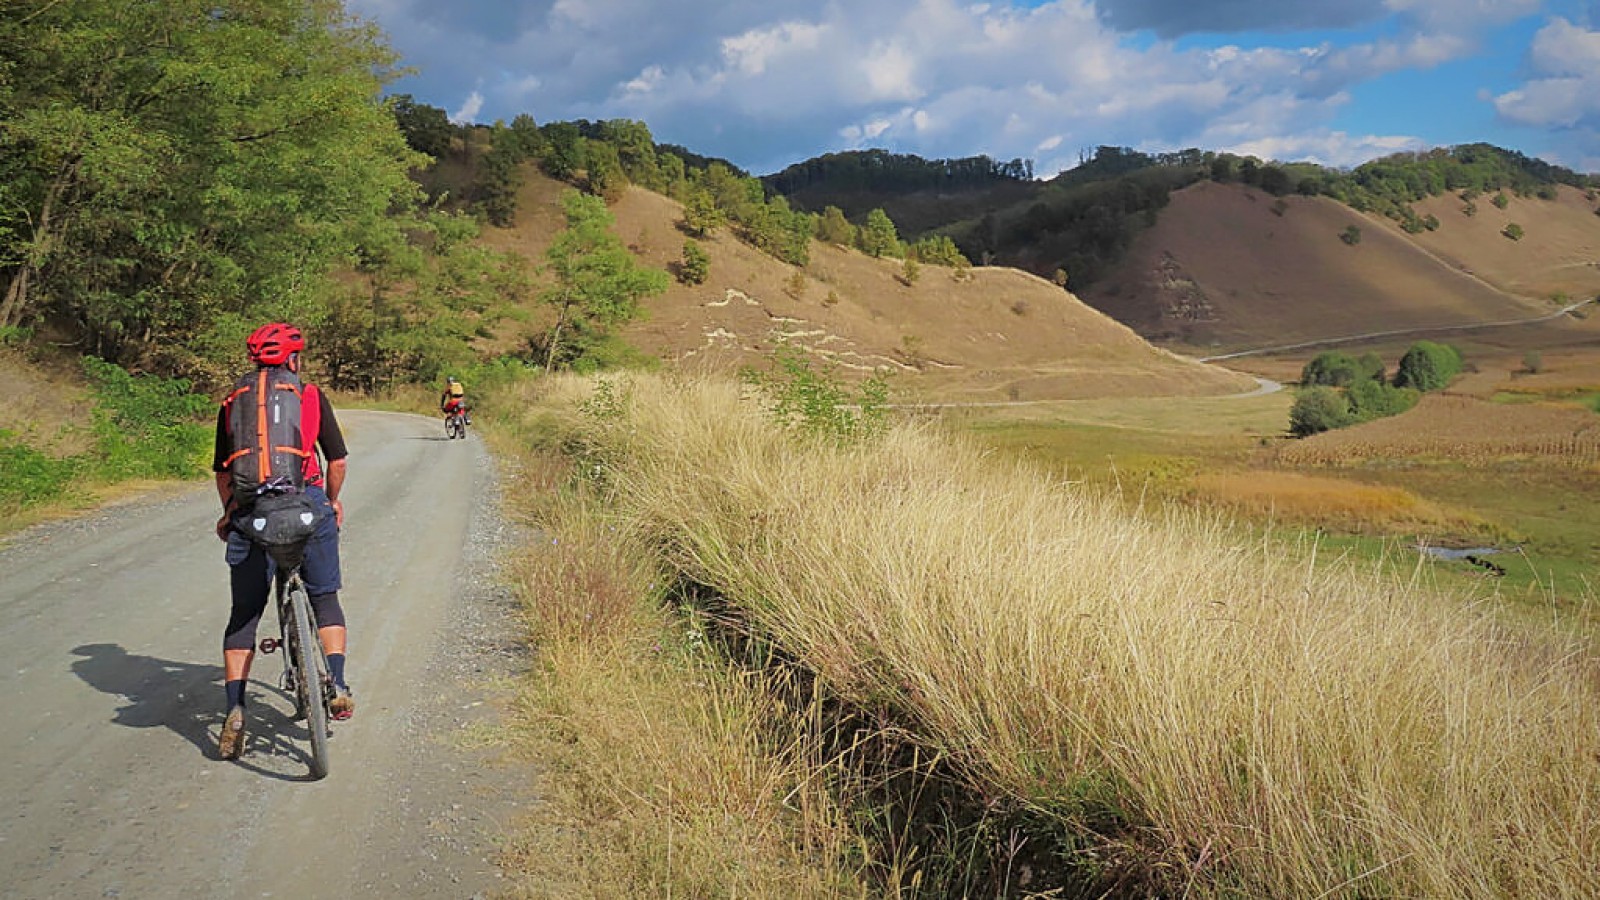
x=1190, y=709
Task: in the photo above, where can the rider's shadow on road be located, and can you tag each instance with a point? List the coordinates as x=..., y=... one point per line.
x=161, y=693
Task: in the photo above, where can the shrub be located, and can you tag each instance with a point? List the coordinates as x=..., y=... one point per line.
x=1332, y=368
x=814, y=402
x=1351, y=235
x=696, y=267
x=1532, y=362
x=1428, y=366
x=1513, y=231
x=1375, y=400
x=1501, y=201
x=28, y=477
x=1319, y=409
x=146, y=426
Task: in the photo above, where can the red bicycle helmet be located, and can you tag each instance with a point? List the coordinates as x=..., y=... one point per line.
x=274, y=343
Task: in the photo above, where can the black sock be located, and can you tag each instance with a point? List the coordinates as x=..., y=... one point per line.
x=336, y=668
x=235, y=691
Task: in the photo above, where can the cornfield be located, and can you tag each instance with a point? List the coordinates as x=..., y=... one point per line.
x=1453, y=428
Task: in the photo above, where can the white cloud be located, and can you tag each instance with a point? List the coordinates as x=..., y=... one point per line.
x=469, y=109
x=750, y=52
x=1564, y=91
x=647, y=81
x=767, y=83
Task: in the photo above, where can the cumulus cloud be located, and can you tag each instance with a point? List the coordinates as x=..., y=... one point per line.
x=767, y=83
x=1562, y=92
x=469, y=109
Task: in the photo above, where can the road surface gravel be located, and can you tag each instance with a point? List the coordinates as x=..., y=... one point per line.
x=111, y=697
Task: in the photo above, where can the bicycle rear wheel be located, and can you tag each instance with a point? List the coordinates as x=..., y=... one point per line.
x=310, y=679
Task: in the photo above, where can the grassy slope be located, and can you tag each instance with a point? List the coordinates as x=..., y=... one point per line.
x=1222, y=269
x=1003, y=335
x=1210, y=716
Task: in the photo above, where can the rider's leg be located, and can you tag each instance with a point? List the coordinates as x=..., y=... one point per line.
x=330, y=628
x=248, y=576
x=248, y=579
x=320, y=570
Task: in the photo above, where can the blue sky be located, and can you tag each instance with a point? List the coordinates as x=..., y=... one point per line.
x=765, y=83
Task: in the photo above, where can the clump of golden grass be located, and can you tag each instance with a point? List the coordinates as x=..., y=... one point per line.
x=662, y=772
x=1330, y=502
x=1222, y=720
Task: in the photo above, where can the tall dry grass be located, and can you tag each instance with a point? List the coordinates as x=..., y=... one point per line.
x=662, y=771
x=1215, y=718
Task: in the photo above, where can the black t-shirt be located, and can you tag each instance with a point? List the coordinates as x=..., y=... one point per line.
x=329, y=438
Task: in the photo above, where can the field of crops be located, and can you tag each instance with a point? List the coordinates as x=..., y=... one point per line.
x=1462, y=430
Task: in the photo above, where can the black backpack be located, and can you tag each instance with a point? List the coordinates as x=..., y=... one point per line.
x=267, y=461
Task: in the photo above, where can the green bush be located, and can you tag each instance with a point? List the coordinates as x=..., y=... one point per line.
x=28, y=477
x=1428, y=366
x=146, y=426
x=1375, y=400
x=1331, y=368
x=696, y=265
x=816, y=403
x=1319, y=409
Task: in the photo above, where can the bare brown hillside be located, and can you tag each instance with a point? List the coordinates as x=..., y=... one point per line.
x=1001, y=335
x=1229, y=267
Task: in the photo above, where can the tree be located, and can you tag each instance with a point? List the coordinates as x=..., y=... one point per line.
x=1532, y=362
x=834, y=228
x=167, y=169
x=563, y=150
x=1331, y=368
x=910, y=271
x=878, y=235
x=1428, y=366
x=700, y=213
x=598, y=284
x=604, y=173
x=1319, y=409
x=427, y=129
x=696, y=265
x=1374, y=399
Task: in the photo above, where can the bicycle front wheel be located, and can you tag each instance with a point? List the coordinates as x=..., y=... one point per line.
x=310, y=678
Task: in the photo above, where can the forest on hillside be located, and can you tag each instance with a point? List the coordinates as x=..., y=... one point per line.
x=1076, y=225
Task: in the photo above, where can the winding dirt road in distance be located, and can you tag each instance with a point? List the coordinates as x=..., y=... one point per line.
x=110, y=700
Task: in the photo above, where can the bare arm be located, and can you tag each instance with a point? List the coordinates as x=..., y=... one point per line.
x=335, y=484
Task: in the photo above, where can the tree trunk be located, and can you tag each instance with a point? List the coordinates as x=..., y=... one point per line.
x=15, y=305
x=555, y=337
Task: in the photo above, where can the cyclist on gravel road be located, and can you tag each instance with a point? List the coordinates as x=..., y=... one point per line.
x=454, y=398
x=278, y=344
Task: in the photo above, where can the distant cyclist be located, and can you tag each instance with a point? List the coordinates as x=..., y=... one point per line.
x=454, y=400
x=278, y=344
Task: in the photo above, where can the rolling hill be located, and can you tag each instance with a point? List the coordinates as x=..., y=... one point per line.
x=1228, y=267
x=1003, y=335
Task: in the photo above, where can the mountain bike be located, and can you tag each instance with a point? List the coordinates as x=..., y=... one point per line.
x=455, y=425
x=306, y=677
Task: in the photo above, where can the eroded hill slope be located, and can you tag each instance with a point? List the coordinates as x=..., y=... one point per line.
x=1229, y=267
x=1001, y=335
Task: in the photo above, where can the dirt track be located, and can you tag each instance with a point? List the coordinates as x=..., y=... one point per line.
x=110, y=696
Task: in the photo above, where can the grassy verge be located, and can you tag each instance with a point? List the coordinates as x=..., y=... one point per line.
x=1171, y=708
x=138, y=429
x=665, y=770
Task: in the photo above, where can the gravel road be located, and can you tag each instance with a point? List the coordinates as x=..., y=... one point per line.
x=111, y=697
